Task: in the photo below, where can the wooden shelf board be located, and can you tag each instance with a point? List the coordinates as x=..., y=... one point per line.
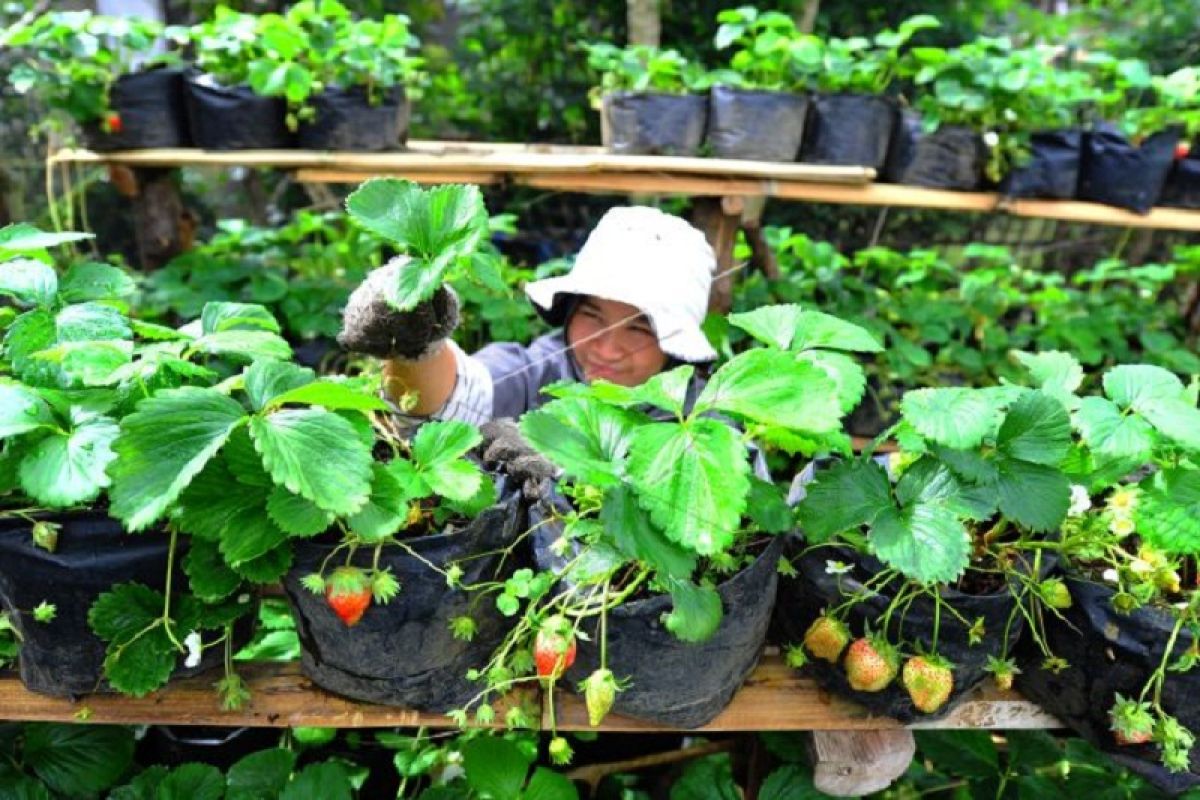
x=773, y=698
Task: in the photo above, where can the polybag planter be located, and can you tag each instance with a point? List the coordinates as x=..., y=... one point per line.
x=234, y=117
x=1116, y=172
x=653, y=123
x=755, y=125
x=849, y=130
x=150, y=107
x=1053, y=168
x=345, y=120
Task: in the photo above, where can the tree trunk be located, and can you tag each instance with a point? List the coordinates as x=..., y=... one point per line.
x=644, y=22
x=806, y=20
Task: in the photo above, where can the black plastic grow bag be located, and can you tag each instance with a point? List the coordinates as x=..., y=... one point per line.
x=849, y=130
x=1183, y=183
x=403, y=653
x=1118, y=173
x=150, y=106
x=234, y=117
x=755, y=125
x=1053, y=169
x=654, y=123
x=952, y=157
x=345, y=120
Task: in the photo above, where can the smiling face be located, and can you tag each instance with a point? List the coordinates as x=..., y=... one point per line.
x=614, y=342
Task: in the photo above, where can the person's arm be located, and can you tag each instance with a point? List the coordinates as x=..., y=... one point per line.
x=421, y=387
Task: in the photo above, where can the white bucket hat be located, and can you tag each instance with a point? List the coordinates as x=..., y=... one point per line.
x=653, y=261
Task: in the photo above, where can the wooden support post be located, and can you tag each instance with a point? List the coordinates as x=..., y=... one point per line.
x=163, y=227
x=720, y=219
x=854, y=763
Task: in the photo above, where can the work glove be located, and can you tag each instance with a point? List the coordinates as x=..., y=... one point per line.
x=372, y=326
x=505, y=448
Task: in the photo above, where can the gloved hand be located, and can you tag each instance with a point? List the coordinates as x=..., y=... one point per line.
x=371, y=326
x=504, y=447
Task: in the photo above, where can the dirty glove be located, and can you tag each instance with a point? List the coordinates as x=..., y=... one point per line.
x=372, y=326
x=504, y=447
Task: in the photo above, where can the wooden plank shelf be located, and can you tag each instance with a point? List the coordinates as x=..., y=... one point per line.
x=773, y=698
x=592, y=169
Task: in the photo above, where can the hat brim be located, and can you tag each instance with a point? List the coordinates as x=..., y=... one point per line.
x=552, y=298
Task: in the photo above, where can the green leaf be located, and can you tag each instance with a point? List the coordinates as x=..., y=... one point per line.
x=333, y=396
x=1132, y=385
x=495, y=767
x=219, y=317
x=317, y=455
x=22, y=410
x=774, y=325
x=629, y=528
x=953, y=416
x=64, y=470
x=93, y=281
x=925, y=541
x=1030, y=750
x=667, y=390
x=266, y=380
x=386, y=511
x=21, y=237
x=1037, y=428
x=140, y=655
x=192, y=782
x=261, y=774
x=456, y=480
x=692, y=479
x=773, y=388
x=768, y=508
x=971, y=754
x=708, y=778
x=1033, y=495
x=695, y=611
x=247, y=344
x=29, y=282
x=91, y=363
x=210, y=577
x=844, y=497
x=443, y=441
x=547, y=784
x=217, y=497
x=327, y=780
x=163, y=445
x=846, y=373
x=1111, y=433
x=588, y=439
x=77, y=760
x=790, y=782
x=927, y=481
x=86, y=322
x=250, y=534
x=1056, y=373
x=1168, y=512
x=31, y=333
x=267, y=568
x=815, y=329
x=1175, y=418
x=296, y=515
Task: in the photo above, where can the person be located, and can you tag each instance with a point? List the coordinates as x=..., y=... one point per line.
x=631, y=307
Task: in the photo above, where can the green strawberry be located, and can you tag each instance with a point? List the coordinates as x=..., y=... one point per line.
x=929, y=681
x=826, y=638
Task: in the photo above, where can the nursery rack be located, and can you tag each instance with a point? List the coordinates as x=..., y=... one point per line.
x=593, y=170
x=773, y=698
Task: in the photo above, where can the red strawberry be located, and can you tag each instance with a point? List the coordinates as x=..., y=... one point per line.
x=871, y=664
x=929, y=681
x=1131, y=721
x=826, y=638
x=348, y=592
x=554, y=647
x=1182, y=149
x=112, y=122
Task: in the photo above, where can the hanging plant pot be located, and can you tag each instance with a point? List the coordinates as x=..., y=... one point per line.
x=345, y=120
x=814, y=589
x=755, y=125
x=403, y=653
x=147, y=111
x=1183, y=183
x=63, y=657
x=1118, y=173
x=1053, y=169
x=1110, y=653
x=653, y=123
x=849, y=130
x=673, y=682
x=952, y=157
x=234, y=117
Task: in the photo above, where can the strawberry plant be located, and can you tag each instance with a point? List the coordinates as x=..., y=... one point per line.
x=639, y=68
x=769, y=52
x=868, y=66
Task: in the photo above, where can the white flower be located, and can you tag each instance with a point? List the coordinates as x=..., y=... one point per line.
x=244, y=597
x=192, y=643
x=1122, y=527
x=991, y=138
x=1080, y=501
x=1110, y=575
x=836, y=567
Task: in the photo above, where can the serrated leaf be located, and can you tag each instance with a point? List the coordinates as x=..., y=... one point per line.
x=1111, y=433
x=815, y=329
x=440, y=442
x=297, y=515
x=140, y=654
x=210, y=577
x=927, y=481
x=1033, y=495
x=91, y=363
x=667, y=390
x=926, y=542
x=1056, y=373
x=192, y=781
x=774, y=325
x=1168, y=512
x=86, y=322
x=970, y=465
x=333, y=396
x=495, y=767
x=847, y=375
x=247, y=344
x=249, y=535
x=325, y=780
x=629, y=528
x=266, y=380
x=457, y=480
x=589, y=440
x=1132, y=385
x=77, y=760
x=955, y=417
x=63, y=470
x=22, y=410
x=767, y=507
x=21, y=237
x=261, y=774
x=696, y=611
x=28, y=281
x=94, y=281
x=163, y=445
x=843, y=497
x=31, y=333
x=386, y=510
x=267, y=568
x=1037, y=429
x=220, y=317
x=773, y=388
x=693, y=481
x=315, y=454
x=215, y=498
x=546, y=784
x=157, y=333
x=1175, y=418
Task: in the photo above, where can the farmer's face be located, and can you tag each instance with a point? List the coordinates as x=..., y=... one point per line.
x=614, y=342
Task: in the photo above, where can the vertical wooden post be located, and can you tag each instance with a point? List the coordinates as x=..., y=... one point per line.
x=163, y=227
x=854, y=763
x=720, y=219
x=644, y=22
